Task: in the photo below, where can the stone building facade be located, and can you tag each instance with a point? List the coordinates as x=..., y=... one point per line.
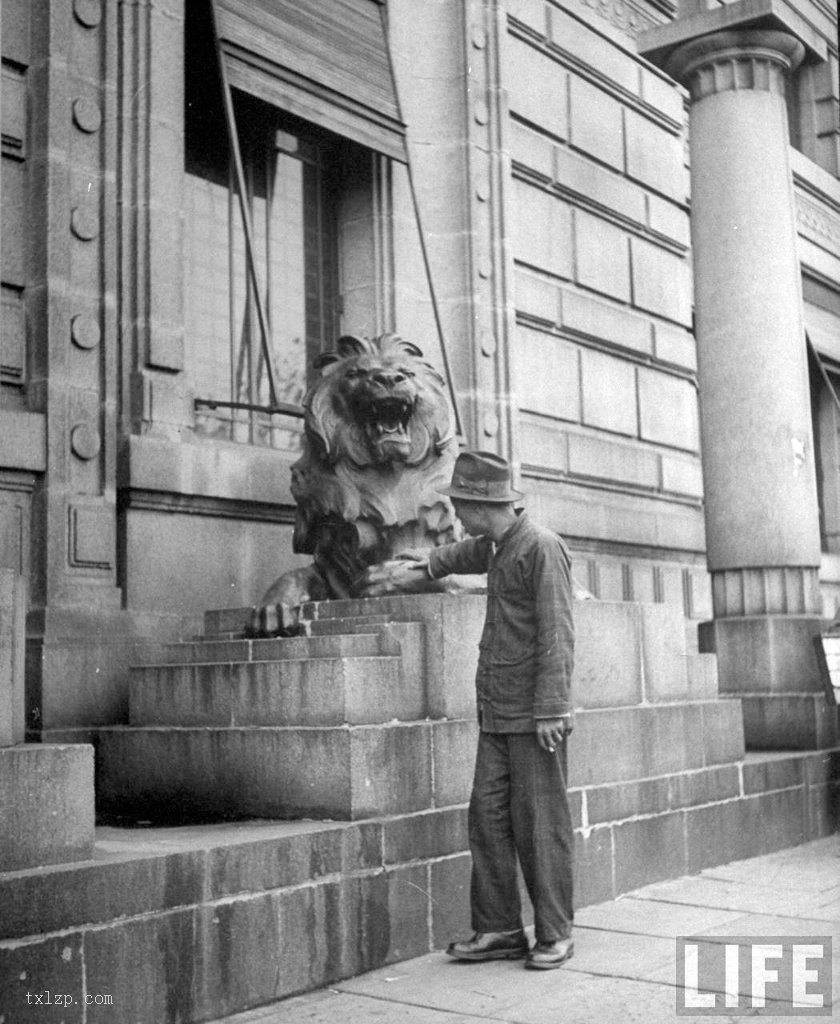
x=615, y=226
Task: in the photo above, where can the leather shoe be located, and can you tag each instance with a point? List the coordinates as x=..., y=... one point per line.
x=491, y=946
x=545, y=956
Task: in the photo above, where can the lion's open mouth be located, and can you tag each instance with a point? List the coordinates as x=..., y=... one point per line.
x=388, y=420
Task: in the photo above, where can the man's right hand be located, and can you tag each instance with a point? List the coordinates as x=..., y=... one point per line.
x=400, y=575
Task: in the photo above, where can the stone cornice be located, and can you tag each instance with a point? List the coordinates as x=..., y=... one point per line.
x=817, y=198
x=818, y=224
x=659, y=44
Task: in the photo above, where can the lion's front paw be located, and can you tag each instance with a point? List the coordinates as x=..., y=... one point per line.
x=270, y=620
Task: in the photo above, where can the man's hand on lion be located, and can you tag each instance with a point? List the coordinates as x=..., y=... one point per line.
x=405, y=574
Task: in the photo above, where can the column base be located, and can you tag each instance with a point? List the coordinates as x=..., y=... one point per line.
x=770, y=663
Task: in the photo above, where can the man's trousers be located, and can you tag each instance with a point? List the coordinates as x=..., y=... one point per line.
x=519, y=810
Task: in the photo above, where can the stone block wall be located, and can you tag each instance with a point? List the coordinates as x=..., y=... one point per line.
x=599, y=239
x=227, y=918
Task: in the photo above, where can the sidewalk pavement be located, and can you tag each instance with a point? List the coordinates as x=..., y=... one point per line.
x=624, y=968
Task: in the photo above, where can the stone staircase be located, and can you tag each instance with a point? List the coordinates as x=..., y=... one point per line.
x=370, y=720
x=372, y=713
x=228, y=727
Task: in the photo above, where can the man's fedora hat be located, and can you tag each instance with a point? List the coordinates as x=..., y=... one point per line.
x=481, y=476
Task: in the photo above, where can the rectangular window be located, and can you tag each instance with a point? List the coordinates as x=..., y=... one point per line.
x=305, y=186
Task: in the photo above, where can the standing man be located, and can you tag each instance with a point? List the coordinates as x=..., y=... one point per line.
x=519, y=809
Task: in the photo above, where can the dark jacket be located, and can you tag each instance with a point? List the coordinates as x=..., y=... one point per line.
x=526, y=652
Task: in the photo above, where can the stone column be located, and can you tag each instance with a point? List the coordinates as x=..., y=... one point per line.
x=762, y=521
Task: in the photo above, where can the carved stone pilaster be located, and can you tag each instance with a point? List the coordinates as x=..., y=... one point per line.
x=489, y=175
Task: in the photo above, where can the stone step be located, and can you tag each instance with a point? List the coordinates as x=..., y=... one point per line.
x=350, y=771
x=344, y=772
x=304, y=691
x=281, y=648
x=617, y=745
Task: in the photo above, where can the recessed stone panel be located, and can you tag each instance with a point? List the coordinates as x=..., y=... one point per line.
x=609, y=393
x=601, y=256
x=536, y=87
x=14, y=223
x=682, y=475
x=605, y=321
x=668, y=410
x=14, y=108
x=669, y=219
x=596, y=122
x=673, y=345
x=663, y=94
x=93, y=537
x=584, y=43
x=600, y=184
x=529, y=12
x=544, y=444
x=542, y=230
x=537, y=296
x=611, y=460
x=655, y=156
x=546, y=374
x=661, y=282
x=532, y=149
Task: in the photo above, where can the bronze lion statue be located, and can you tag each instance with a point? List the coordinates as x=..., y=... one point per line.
x=378, y=445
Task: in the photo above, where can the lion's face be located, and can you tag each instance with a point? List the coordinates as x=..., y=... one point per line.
x=378, y=402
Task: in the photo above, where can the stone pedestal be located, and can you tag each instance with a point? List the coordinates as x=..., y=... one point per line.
x=770, y=664
x=46, y=791
x=762, y=523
